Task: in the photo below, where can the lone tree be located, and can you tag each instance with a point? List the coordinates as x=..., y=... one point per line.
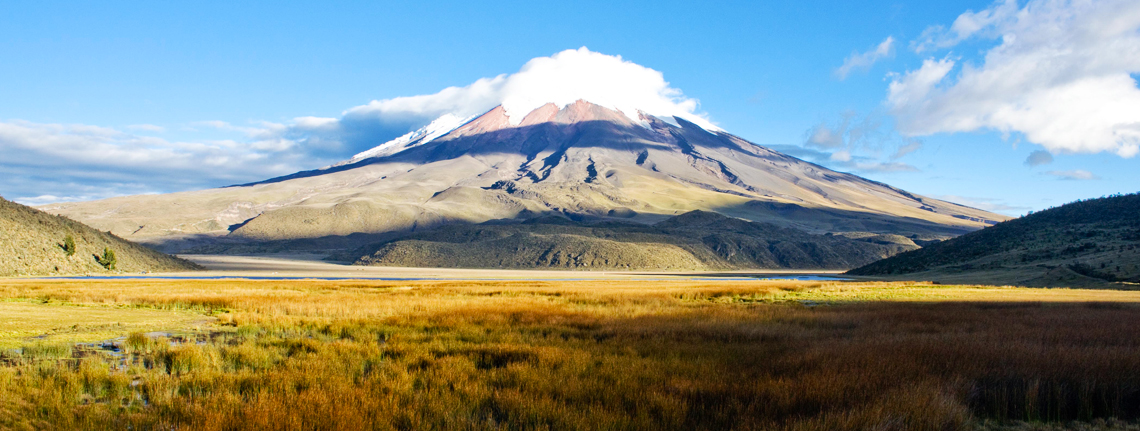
x=69, y=245
x=108, y=260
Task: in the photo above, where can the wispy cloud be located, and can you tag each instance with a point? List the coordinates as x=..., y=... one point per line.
x=911, y=146
x=147, y=128
x=856, y=143
x=804, y=153
x=843, y=160
x=851, y=131
x=826, y=137
x=864, y=60
x=75, y=161
x=1038, y=158
x=1074, y=175
x=967, y=25
x=873, y=166
x=988, y=204
x=1060, y=74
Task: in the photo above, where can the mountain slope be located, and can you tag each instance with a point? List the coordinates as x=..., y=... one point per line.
x=33, y=244
x=693, y=241
x=581, y=160
x=1085, y=243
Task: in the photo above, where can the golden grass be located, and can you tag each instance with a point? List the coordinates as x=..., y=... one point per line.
x=583, y=355
x=57, y=323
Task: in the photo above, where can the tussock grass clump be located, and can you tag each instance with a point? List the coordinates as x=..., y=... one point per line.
x=39, y=351
x=137, y=342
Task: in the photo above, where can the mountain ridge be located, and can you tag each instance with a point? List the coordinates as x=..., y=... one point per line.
x=34, y=244
x=696, y=240
x=581, y=160
x=1093, y=243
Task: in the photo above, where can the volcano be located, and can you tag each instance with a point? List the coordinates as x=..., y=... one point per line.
x=581, y=161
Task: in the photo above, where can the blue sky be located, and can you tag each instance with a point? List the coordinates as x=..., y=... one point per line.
x=111, y=98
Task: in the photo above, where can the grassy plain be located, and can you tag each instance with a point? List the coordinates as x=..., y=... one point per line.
x=570, y=355
x=21, y=321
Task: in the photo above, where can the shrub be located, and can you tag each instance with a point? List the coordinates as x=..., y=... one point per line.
x=69, y=245
x=108, y=260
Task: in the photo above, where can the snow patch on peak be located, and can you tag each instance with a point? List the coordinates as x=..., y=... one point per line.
x=439, y=127
x=667, y=119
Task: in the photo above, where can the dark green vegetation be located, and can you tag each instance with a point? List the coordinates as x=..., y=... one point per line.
x=581, y=356
x=108, y=260
x=696, y=240
x=1092, y=243
x=37, y=243
x=69, y=245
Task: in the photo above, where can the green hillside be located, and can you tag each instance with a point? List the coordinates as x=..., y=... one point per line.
x=1084, y=243
x=33, y=242
x=697, y=240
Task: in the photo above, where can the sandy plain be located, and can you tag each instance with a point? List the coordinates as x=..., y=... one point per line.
x=305, y=266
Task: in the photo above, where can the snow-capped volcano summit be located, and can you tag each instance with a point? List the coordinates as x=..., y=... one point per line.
x=607, y=81
x=578, y=160
x=561, y=79
x=439, y=127
x=448, y=123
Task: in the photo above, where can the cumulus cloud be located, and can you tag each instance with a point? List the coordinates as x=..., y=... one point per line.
x=1074, y=175
x=1038, y=158
x=864, y=60
x=562, y=79
x=1060, y=74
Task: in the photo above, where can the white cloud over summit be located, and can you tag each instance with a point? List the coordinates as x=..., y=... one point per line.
x=1061, y=74
x=562, y=79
